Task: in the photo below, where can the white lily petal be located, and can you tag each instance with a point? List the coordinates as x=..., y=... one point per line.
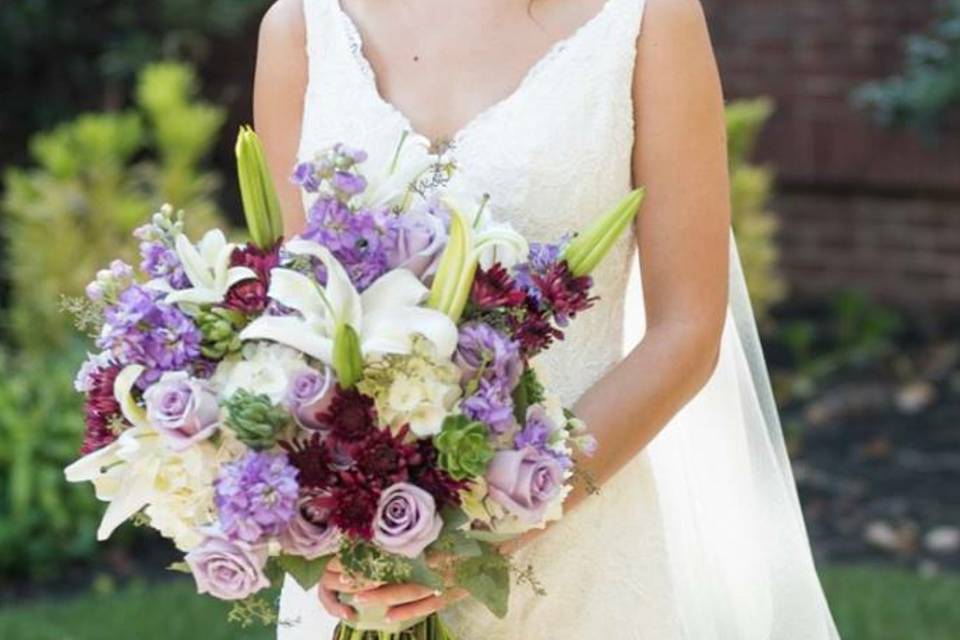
x=212, y=246
x=197, y=295
x=134, y=494
x=90, y=466
x=341, y=294
x=194, y=266
x=390, y=331
x=123, y=392
x=393, y=290
x=296, y=291
x=220, y=265
x=238, y=274
x=292, y=332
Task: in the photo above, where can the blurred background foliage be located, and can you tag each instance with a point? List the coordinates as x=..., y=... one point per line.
x=928, y=88
x=96, y=179
x=750, y=190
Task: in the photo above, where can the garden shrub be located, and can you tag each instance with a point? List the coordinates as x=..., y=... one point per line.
x=750, y=189
x=97, y=178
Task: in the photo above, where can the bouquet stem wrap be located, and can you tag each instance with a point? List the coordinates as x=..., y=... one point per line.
x=429, y=628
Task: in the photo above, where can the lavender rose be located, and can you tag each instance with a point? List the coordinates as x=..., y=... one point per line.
x=422, y=235
x=524, y=482
x=310, y=534
x=310, y=394
x=226, y=570
x=183, y=409
x=406, y=520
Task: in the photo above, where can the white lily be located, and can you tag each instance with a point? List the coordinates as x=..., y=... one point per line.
x=385, y=317
x=118, y=471
x=392, y=186
x=207, y=266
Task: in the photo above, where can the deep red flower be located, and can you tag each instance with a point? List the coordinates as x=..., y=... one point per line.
x=314, y=460
x=384, y=458
x=351, y=416
x=494, y=288
x=429, y=476
x=564, y=294
x=250, y=296
x=102, y=411
x=532, y=329
x=354, y=506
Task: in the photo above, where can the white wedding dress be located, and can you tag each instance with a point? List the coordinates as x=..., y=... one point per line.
x=700, y=537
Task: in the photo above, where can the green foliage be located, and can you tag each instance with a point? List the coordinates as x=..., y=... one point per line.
x=97, y=178
x=750, y=189
x=44, y=521
x=307, y=573
x=84, y=55
x=528, y=392
x=856, y=332
x=929, y=85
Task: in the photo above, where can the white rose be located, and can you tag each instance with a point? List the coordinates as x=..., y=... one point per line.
x=265, y=368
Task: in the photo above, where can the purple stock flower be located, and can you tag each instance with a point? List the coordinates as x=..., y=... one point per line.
x=492, y=405
x=350, y=184
x=161, y=261
x=256, y=496
x=305, y=176
x=141, y=329
x=406, y=520
x=483, y=352
x=361, y=240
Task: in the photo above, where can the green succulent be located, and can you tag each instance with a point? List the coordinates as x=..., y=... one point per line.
x=464, y=447
x=220, y=329
x=255, y=419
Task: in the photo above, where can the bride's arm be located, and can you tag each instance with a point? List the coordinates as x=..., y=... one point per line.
x=682, y=231
x=278, y=93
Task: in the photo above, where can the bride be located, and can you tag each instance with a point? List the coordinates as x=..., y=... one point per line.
x=557, y=108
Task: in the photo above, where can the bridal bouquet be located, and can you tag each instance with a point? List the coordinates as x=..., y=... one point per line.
x=364, y=391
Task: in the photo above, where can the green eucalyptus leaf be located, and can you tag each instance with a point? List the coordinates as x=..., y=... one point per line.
x=307, y=573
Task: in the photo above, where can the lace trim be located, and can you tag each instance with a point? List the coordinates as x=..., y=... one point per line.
x=354, y=38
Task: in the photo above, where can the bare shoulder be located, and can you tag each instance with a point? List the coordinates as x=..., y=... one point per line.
x=283, y=24
x=676, y=25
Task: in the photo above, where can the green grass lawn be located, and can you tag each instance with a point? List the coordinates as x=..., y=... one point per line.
x=869, y=604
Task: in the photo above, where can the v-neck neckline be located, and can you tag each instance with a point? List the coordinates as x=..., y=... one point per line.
x=354, y=37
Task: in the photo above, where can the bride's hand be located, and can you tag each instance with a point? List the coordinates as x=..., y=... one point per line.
x=405, y=600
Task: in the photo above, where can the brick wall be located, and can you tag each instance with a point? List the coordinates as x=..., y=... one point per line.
x=859, y=207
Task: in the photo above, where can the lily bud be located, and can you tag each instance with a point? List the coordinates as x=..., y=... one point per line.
x=347, y=357
x=458, y=265
x=590, y=247
x=261, y=205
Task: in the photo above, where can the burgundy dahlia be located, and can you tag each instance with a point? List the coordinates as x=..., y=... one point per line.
x=102, y=410
x=533, y=330
x=564, y=294
x=250, y=296
x=351, y=416
x=314, y=460
x=434, y=480
x=354, y=507
x=494, y=288
x=384, y=458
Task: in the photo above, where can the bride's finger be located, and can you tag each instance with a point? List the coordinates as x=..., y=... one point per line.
x=343, y=583
x=394, y=594
x=330, y=602
x=424, y=607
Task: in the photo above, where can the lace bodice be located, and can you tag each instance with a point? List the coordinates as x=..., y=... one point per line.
x=542, y=183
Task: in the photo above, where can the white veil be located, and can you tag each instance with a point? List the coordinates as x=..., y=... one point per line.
x=739, y=556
